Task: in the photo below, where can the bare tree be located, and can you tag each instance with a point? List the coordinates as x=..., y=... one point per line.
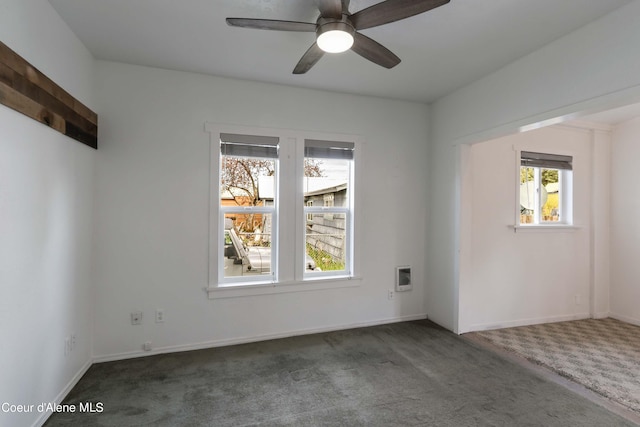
x=239, y=177
x=312, y=167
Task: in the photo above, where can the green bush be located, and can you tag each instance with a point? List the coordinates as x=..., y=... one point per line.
x=324, y=260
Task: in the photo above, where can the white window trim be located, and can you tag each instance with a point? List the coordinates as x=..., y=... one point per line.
x=290, y=277
x=545, y=228
x=565, y=203
x=335, y=282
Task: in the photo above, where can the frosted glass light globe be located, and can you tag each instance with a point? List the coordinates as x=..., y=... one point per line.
x=335, y=41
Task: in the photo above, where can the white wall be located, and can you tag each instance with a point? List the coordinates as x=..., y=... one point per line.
x=592, y=68
x=46, y=182
x=625, y=227
x=152, y=225
x=529, y=276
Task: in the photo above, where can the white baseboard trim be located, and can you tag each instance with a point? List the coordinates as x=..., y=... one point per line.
x=245, y=340
x=625, y=319
x=602, y=315
x=524, y=322
x=44, y=416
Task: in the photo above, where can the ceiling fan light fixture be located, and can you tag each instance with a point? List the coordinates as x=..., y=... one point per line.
x=335, y=37
x=338, y=30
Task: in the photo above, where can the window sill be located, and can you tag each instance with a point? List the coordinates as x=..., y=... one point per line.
x=545, y=227
x=235, y=291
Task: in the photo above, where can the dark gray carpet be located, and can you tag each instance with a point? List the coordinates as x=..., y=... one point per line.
x=403, y=374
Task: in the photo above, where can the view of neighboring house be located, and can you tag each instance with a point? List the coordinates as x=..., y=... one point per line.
x=325, y=231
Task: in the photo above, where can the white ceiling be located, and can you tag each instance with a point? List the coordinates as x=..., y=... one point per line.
x=441, y=50
x=615, y=116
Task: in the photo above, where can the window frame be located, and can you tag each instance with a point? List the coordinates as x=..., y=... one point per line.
x=272, y=210
x=329, y=210
x=290, y=270
x=565, y=194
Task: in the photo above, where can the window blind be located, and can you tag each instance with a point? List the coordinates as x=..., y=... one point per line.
x=543, y=160
x=237, y=145
x=328, y=149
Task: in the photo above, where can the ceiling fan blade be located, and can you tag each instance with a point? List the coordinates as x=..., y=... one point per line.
x=271, y=24
x=309, y=59
x=330, y=8
x=391, y=11
x=374, y=51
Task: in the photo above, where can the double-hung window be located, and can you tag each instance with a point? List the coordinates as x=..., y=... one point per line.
x=248, y=208
x=282, y=209
x=328, y=206
x=545, y=188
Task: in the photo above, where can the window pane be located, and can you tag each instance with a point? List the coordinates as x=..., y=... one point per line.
x=326, y=190
x=326, y=182
x=247, y=181
x=247, y=252
x=527, y=195
x=326, y=241
x=550, y=198
x=248, y=166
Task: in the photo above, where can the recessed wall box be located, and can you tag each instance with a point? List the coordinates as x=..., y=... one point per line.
x=403, y=278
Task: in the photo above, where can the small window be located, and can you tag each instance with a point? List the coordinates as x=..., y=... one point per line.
x=309, y=204
x=545, y=188
x=248, y=173
x=328, y=235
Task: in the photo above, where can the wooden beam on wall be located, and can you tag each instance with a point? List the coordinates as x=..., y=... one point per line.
x=28, y=91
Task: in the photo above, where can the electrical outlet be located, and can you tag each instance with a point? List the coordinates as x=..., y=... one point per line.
x=146, y=346
x=159, y=315
x=73, y=341
x=390, y=294
x=136, y=318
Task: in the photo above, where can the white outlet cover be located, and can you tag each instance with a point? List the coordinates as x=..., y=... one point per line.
x=136, y=318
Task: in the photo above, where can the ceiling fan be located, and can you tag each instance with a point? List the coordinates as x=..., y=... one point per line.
x=337, y=30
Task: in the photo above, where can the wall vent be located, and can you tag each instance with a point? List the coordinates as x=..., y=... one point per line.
x=403, y=278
